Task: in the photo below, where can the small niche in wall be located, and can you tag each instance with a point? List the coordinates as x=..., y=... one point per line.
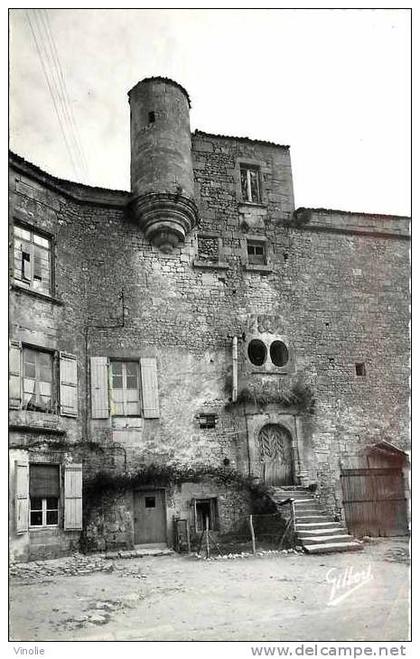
x=360, y=369
x=152, y=117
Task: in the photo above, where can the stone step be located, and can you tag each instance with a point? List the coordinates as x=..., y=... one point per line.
x=322, y=532
x=330, y=547
x=316, y=540
x=313, y=518
x=303, y=526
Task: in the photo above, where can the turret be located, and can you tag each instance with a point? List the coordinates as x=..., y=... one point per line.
x=162, y=180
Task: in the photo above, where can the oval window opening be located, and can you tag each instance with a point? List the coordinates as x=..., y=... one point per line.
x=279, y=353
x=257, y=352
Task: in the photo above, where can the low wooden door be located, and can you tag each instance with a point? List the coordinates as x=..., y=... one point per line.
x=149, y=517
x=275, y=445
x=374, y=501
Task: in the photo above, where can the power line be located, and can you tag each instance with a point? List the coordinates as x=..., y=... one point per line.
x=50, y=63
x=67, y=106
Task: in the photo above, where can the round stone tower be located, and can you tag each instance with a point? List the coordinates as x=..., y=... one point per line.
x=162, y=181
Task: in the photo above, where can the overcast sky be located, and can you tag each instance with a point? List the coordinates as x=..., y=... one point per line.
x=335, y=85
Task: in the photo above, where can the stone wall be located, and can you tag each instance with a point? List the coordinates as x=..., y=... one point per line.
x=337, y=285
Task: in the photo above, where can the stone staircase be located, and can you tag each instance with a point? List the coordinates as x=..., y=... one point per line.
x=316, y=531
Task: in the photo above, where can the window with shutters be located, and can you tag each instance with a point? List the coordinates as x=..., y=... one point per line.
x=42, y=381
x=125, y=388
x=44, y=494
x=32, y=260
x=37, y=390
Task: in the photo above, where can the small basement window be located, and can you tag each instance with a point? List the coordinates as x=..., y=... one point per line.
x=205, y=508
x=207, y=420
x=360, y=369
x=257, y=352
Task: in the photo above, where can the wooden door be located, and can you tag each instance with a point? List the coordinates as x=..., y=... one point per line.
x=374, y=502
x=149, y=517
x=275, y=444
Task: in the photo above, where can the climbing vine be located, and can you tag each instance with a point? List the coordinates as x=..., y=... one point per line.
x=164, y=475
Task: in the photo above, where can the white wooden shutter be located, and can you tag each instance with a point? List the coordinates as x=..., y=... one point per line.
x=15, y=383
x=149, y=385
x=73, y=497
x=22, y=496
x=68, y=384
x=99, y=387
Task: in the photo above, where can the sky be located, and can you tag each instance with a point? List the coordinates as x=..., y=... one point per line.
x=334, y=85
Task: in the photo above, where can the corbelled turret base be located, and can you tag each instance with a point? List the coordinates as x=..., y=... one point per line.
x=165, y=218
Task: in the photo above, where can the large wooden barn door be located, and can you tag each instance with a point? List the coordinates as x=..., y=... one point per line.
x=374, y=501
x=275, y=445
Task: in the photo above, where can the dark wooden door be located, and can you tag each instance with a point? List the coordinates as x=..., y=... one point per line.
x=276, y=455
x=374, y=502
x=149, y=517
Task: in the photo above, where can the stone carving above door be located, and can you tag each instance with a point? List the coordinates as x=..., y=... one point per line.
x=265, y=323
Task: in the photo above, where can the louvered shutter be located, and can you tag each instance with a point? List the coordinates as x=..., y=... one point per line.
x=149, y=387
x=99, y=387
x=15, y=384
x=22, y=496
x=68, y=384
x=73, y=497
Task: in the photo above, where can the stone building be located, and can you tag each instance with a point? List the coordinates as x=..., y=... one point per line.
x=197, y=325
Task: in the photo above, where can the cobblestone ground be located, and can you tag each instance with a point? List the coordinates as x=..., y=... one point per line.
x=273, y=596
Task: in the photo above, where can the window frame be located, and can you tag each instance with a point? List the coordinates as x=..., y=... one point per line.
x=248, y=168
x=124, y=389
x=214, y=524
x=219, y=263
x=28, y=284
x=54, y=398
x=44, y=509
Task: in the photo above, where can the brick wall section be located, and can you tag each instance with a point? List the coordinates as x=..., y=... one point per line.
x=342, y=297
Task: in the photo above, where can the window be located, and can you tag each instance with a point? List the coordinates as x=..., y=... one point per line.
x=279, y=353
x=250, y=184
x=207, y=421
x=44, y=494
x=256, y=252
x=125, y=390
x=150, y=502
x=257, y=352
x=361, y=369
x=205, y=508
x=32, y=260
x=152, y=117
x=36, y=383
x=37, y=391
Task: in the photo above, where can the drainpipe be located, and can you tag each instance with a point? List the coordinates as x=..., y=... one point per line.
x=234, y=369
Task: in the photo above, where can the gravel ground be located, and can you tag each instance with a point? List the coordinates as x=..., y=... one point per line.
x=272, y=596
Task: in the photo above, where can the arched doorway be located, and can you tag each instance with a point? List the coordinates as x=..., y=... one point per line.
x=276, y=455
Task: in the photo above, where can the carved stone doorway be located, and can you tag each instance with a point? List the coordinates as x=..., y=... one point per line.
x=276, y=454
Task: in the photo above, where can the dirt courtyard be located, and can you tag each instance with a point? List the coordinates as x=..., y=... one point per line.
x=360, y=596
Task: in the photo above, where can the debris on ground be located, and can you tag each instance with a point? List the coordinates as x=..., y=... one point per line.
x=74, y=565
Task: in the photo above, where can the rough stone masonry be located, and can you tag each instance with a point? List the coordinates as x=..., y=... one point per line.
x=126, y=310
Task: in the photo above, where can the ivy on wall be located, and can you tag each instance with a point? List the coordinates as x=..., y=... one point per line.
x=164, y=475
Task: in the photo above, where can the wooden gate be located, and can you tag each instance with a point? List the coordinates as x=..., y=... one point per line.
x=374, y=502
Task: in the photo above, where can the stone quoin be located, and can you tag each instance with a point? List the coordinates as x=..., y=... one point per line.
x=196, y=326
